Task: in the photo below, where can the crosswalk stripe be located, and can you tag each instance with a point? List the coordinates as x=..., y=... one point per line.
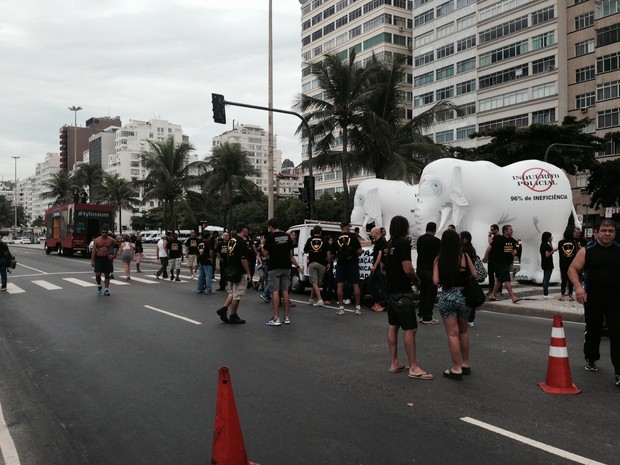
x=142, y=280
x=80, y=282
x=13, y=289
x=46, y=285
x=116, y=282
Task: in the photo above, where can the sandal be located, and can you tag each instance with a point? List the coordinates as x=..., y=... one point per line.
x=494, y=299
x=399, y=369
x=452, y=375
x=423, y=376
x=466, y=370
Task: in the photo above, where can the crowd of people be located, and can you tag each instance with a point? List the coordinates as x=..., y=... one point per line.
x=590, y=269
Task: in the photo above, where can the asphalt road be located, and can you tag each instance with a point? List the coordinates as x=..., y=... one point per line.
x=87, y=379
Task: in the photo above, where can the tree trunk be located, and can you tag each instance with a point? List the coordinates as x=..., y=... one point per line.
x=345, y=186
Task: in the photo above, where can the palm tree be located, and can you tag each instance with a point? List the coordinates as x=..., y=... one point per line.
x=385, y=142
x=170, y=175
x=61, y=186
x=346, y=91
x=120, y=194
x=90, y=176
x=227, y=172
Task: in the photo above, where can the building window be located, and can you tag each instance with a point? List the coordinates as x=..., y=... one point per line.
x=465, y=65
x=423, y=99
x=468, y=109
x=424, y=18
x=465, y=132
x=444, y=93
x=606, y=8
x=543, y=40
x=503, y=30
x=445, y=9
x=445, y=51
x=505, y=100
x=445, y=72
x=585, y=47
x=423, y=39
x=506, y=75
x=544, y=116
x=542, y=16
x=585, y=100
x=466, y=43
x=585, y=74
x=608, y=35
x=544, y=90
x=543, y=65
x=423, y=79
x=500, y=7
x=444, y=137
x=465, y=22
x=607, y=63
x=466, y=87
x=342, y=21
x=445, y=30
x=424, y=59
x=584, y=21
x=608, y=118
x=608, y=91
x=503, y=53
x=520, y=121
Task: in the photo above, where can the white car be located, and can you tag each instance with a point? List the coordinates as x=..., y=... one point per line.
x=23, y=240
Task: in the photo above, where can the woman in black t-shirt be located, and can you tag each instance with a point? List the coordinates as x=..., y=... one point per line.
x=546, y=260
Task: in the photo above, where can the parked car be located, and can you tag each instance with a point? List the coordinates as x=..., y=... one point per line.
x=8, y=240
x=23, y=240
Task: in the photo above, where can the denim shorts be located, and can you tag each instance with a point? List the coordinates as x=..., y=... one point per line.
x=452, y=303
x=279, y=280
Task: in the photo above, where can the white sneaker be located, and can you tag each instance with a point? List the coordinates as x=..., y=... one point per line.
x=273, y=322
x=311, y=301
x=347, y=301
x=358, y=310
x=340, y=311
x=318, y=303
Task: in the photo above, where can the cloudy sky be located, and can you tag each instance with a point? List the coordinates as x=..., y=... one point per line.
x=141, y=59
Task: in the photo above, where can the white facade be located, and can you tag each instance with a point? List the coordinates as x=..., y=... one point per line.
x=255, y=141
x=33, y=187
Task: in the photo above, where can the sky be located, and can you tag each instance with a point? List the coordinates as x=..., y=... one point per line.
x=142, y=59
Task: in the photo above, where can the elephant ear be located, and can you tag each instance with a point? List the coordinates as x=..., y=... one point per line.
x=372, y=206
x=460, y=204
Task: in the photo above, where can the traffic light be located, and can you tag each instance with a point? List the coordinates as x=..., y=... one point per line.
x=309, y=188
x=303, y=194
x=219, y=108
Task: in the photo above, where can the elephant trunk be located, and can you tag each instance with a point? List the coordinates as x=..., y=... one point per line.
x=446, y=217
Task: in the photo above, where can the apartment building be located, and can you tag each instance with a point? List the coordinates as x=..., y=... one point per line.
x=255, y=141
x=379, y=27
x=74, y=140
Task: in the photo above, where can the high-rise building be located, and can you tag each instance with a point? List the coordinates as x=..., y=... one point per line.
x=74, y=140
x=379, y=27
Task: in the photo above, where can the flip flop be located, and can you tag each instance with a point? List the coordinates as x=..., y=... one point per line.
x=399, y=369
x=515, y=301
x=466, y=370
x=422, y=376
x=451, y=375
x=494, y=299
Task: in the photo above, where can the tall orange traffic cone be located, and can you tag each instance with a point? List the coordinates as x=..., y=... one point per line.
x=558, y=380
x=228, y=446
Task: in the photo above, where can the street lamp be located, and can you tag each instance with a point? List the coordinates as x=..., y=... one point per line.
x=74, y=109
x=15, y=195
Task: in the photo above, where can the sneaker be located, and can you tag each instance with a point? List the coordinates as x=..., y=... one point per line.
x=99, y=290
x=111, y=275
x=287, y=320
x=470, y=324
x=265, y=299
x=127, y=278
x=311, y=301
x=235, y=320
x=3, y=288
x=347, y=301
x=171, y=278
x=618, y=380
x=273, y=322
x=358, y=310
x=318, y=303
x=199, y=292
x=432, y=321
x=548, y=296
x=178, y=279
x=340, y=311
x=591, y=365
x=156, y=275
x=222, y=312
x=106, y=292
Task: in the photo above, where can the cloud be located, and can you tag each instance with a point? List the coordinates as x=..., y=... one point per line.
x=140, y=60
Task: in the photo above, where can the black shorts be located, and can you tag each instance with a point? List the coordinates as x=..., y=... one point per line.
x=401, y=311
x=103, y=265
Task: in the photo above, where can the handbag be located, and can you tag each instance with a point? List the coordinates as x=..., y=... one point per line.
x=474, y=295
x=481, y=271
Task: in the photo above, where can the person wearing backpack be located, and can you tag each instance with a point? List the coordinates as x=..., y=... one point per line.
x=346, y=248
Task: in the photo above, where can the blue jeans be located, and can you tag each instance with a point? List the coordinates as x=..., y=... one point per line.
x=546, y=279
x=204, y=279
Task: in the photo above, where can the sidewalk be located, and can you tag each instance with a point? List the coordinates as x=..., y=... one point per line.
x=532, y=303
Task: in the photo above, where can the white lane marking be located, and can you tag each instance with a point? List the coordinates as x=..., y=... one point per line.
x=194, y=322
x=142, y=280
x=13, y=289
x=116, y=282
x=7, y=446
x=79, y=282
x=21, y=265
x=46, y=285
x=533, y=443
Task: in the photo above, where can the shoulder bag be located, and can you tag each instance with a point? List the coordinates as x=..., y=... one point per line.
x=481, y=271
x=474, y=295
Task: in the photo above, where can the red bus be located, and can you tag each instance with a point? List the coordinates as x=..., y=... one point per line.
x=71, y=226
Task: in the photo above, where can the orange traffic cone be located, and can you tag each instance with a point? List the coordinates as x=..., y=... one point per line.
x=228, y=446
x=558, y=370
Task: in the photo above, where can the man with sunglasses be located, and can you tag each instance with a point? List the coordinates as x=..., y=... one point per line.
x=101, y=259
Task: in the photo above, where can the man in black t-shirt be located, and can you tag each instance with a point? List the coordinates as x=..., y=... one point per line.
x=376, y=279
x=278, y=249
x=237, y=252
x=191, y=251
x=400, y=275
x=175, y=256
x=221, y=251
x=346, y=248
x=505, y=248
x=205, y=263
x=428, y=249
x=316, y=247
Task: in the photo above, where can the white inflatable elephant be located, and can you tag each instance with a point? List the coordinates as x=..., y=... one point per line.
x=531, y=195
x=380, y=200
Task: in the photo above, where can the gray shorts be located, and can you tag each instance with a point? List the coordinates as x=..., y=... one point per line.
x=316, y=271
x=279, y=280
x=175, y=263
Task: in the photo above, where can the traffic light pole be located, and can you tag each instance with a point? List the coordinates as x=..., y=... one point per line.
x=306, y=125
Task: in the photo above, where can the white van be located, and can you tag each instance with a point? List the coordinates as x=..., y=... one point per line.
x=151, y=237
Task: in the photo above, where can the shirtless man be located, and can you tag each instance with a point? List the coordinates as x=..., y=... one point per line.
x=101, y=259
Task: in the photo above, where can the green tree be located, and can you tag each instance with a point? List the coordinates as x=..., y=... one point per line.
x=60, y=187
x=510, y=144
x=227, y=170
x=603, y=184
x=120, y=194
x=170, y=176
x=90, y=176
x=346, y=91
